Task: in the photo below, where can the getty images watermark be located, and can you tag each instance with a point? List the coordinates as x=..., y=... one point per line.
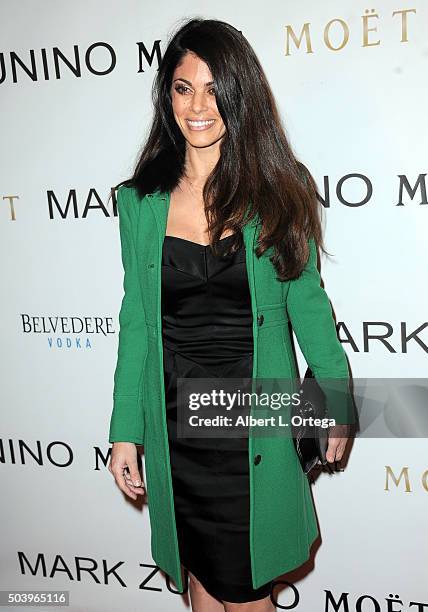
x=231, y=407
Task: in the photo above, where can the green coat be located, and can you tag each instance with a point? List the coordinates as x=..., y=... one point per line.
x=282, y=516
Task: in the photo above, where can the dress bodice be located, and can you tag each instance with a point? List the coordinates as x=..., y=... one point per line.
x=206, y=302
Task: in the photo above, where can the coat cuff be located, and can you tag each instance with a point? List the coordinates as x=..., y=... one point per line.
x=127, y=420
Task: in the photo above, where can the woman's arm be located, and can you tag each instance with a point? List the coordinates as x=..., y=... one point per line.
x=311, y=317
x=127, y=418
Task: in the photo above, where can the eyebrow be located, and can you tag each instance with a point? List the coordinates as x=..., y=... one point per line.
x=190, y=83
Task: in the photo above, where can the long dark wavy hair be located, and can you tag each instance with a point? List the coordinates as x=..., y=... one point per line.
x=257, y=171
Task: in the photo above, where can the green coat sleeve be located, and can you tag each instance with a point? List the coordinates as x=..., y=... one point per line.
x=127, y=418
x=311, y=317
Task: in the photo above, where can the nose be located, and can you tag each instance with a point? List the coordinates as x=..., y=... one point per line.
x=199, y=102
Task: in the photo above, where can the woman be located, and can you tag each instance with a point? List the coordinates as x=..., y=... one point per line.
x=219, y=227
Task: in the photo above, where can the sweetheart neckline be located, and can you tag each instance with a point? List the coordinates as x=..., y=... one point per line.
x=197, y=243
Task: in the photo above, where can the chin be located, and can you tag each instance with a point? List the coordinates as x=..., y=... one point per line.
x=202, y=142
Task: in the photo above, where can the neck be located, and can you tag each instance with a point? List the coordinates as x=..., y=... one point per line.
x=200, y=162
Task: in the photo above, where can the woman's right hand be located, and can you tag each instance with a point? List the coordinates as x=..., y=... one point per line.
x=124, y=467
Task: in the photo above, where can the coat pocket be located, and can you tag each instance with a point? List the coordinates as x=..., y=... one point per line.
x=272, y=315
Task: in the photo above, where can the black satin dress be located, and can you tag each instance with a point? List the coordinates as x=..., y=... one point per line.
x=207, y=332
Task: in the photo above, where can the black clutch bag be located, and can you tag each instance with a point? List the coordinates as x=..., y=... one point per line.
x=310, y=440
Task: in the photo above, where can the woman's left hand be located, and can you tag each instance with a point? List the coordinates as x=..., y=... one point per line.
x=337, y=439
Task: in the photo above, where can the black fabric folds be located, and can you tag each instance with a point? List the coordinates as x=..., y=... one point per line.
x=207, y=332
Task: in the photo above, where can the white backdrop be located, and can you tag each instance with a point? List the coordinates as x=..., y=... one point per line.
x=360, y=109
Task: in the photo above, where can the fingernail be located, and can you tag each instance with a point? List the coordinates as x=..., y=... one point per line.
x=137, y=483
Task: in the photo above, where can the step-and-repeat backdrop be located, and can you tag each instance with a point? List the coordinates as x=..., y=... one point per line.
x=75, y=81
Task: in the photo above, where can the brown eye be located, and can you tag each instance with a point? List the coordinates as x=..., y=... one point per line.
x=181, y=89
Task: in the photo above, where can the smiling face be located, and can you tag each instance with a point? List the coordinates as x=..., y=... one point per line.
x=194, y=103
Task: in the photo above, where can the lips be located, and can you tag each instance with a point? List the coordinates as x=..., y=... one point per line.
x=199, y=125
